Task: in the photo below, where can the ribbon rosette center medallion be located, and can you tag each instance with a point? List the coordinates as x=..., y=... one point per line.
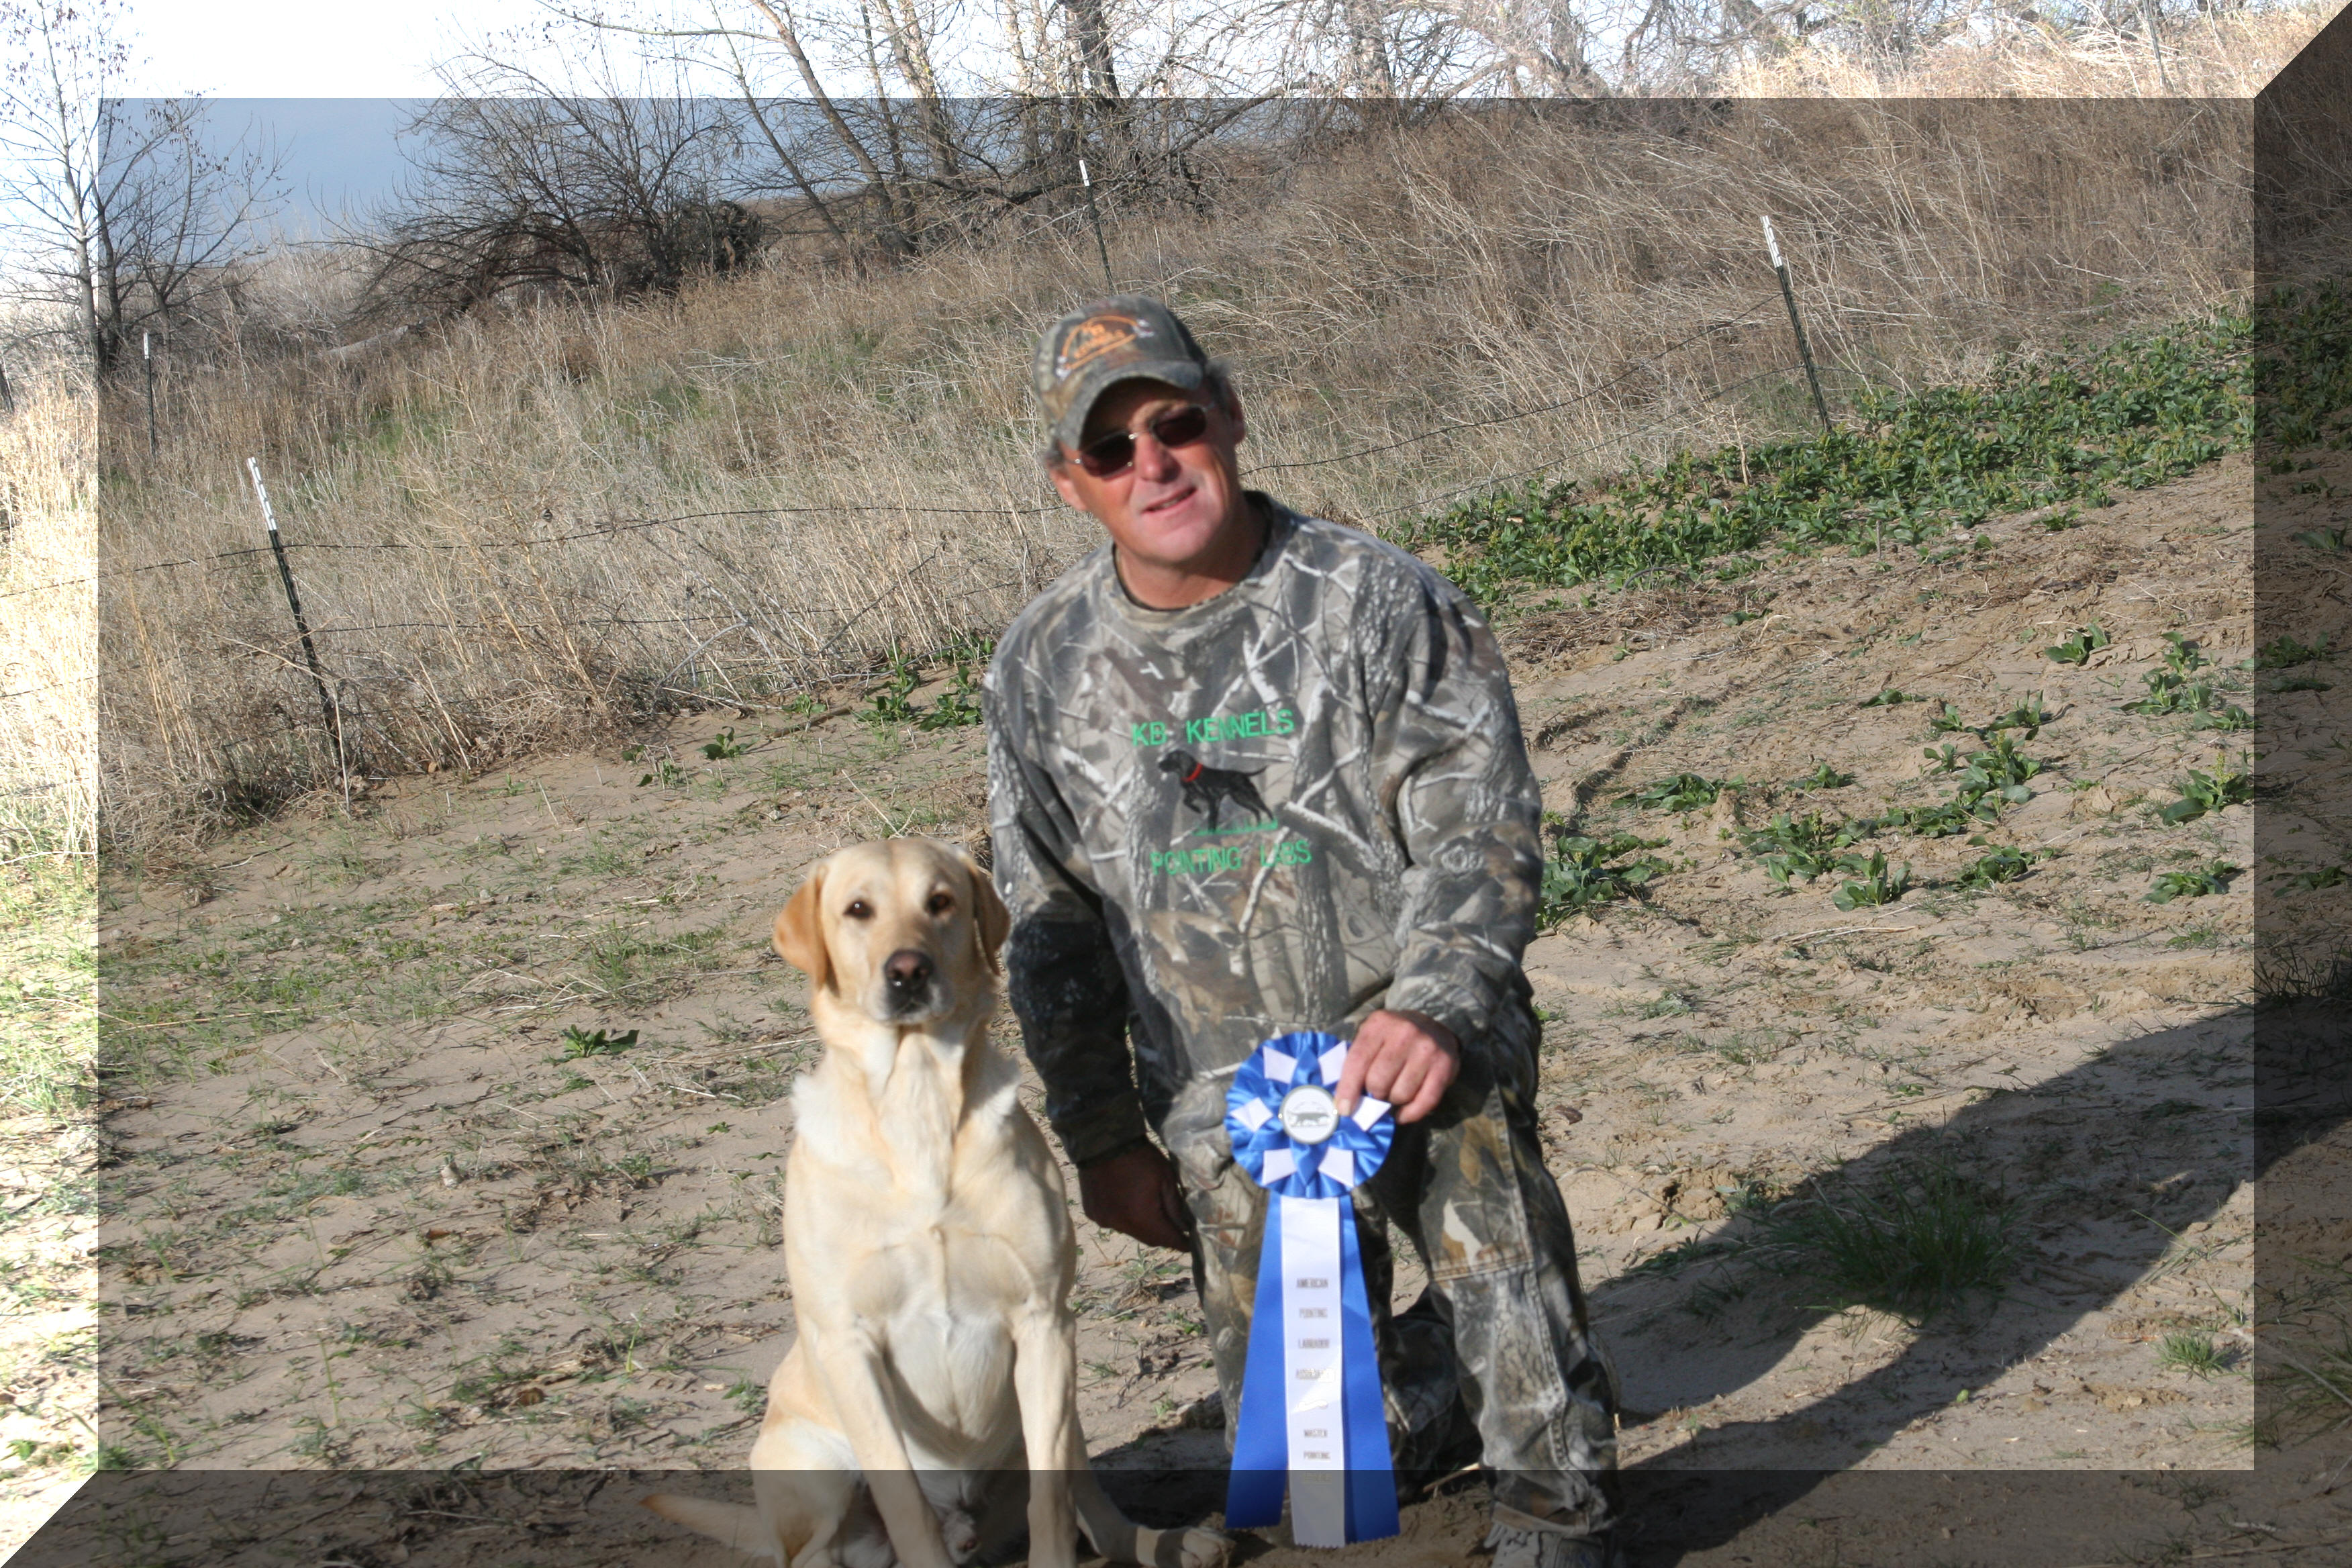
x=1311, y=1412
x=1308, y=1114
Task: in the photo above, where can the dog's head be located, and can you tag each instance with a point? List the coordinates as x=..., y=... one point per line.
x=904, y=929
x=1179, y=763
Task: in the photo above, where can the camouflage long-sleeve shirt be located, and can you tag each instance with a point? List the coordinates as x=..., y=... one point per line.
x=1283, y=808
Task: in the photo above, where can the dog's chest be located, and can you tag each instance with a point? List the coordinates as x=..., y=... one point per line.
x=934, y=1264
x=944, y=1302
x=956, y=1340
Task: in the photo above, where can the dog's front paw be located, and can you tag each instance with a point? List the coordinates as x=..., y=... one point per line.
x=1192, y=1549
x=960, y=1532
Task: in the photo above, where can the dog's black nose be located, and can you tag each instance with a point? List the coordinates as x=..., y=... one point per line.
x=906, y=969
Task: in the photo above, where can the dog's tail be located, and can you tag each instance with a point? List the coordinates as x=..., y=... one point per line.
x=740, y=1527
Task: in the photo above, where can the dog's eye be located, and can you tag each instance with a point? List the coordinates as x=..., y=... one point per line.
x=940, y=904
x=859, y=909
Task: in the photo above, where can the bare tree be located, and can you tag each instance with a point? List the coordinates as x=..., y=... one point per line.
x=117, y=210
x=897, y=125
x=520, y=183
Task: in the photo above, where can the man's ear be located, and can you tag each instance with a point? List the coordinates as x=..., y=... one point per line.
x=989, y=919
x=1232, y=401
x=1060, y=474
x=800, y=932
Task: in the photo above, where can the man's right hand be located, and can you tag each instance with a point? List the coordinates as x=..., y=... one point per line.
x=1136, y=1192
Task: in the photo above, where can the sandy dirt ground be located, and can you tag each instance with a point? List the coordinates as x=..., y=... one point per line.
x=365, y=1208
x=49, y=1319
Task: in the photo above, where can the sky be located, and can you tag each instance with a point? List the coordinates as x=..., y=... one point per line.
x=298, y=48
x=341, y=155
x=329, y=84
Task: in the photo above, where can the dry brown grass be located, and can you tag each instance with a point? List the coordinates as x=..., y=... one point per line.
x=1469, y=266
x=49, y=635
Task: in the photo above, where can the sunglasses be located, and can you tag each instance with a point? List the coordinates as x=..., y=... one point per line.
x=1112, y=455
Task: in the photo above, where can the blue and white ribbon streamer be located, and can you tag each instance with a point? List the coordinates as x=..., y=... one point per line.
x=1311, y=1410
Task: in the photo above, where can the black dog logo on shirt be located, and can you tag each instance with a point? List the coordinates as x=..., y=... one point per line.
x=1208, y=789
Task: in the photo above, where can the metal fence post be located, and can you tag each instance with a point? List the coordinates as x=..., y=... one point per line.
x=328, y=712
x=1797, y=324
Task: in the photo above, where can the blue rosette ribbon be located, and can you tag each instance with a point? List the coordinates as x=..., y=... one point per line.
x=1311, y=1412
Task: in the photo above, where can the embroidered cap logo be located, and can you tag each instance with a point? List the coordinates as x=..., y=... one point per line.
x=1092, y=339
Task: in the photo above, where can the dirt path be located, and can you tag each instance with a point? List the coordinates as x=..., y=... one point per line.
x=364, y=1214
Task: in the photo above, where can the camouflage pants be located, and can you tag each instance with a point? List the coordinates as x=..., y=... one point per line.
x=1496, y=1360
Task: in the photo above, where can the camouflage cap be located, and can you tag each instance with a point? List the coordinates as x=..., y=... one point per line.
x=1124, y=338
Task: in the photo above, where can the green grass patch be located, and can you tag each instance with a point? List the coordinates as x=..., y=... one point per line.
x=578, y=1042
x=2078, y=647
x=2202, y=792
x=618, y=958
x=1683, y=792
x=1913, y=1241
x=1584, y=872
x=2195, y=1354
x=1801, y=848
x=954, y=708
x=49, y=985
x=2037, y=433
x=2303, y=370
x=1996, y=866
x=2285, y=653
x=1875, y=884
x=2201, y=883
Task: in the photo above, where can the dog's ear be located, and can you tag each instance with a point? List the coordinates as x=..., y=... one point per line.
x=800, y=932
x=989, y=919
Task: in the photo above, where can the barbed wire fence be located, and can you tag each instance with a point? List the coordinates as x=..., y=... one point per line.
x=794, y=658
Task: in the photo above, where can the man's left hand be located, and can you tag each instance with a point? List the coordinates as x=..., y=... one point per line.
x=1406, y=1059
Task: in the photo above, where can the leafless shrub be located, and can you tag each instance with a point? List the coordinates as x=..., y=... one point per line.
x=515, y=185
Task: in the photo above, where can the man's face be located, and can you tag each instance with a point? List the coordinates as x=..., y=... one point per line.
x=1174, y=509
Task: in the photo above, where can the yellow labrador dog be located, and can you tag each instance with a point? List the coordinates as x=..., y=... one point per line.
x=931, y=1256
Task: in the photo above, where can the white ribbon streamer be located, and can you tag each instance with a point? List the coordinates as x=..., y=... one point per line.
x=1311, y=1367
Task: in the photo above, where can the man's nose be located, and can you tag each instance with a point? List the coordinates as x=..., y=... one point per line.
x=906, y=969
x=1152, y=461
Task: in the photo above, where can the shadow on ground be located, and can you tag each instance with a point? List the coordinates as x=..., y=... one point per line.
x=1689, y=1503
